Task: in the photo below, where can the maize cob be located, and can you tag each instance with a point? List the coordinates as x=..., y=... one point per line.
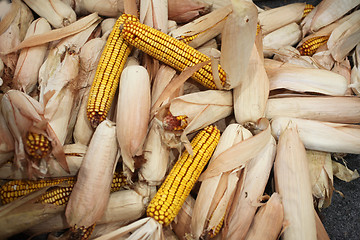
x=174, y=123
x=177, y=186
x=188, y=39
x=81, y=233
x=37, y=145
x=107, y=75
x=169, y=50
x=310, y=46
x=216, y=229
x=56, y=195
x=308, y=8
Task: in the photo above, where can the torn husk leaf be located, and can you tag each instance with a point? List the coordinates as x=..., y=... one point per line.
x=343, y=173
x=321, y=176
x=272, y=212
x=230, y=159
x=90, y=195
x=248, y=194
x=133, y=113
x=322, y=136
x=213, y=189
x=292, y=178
x=321, y=108
x=238, y=37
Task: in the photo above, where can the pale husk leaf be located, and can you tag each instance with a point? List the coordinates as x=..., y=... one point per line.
x=133, y=112
x=90, y=195
x=320, y=229
x=185, y=10
x=272, y=212
x=321, y=108
x=251, y=96
x=154, y=13
x=355, y=80
x=109, y=8
x=292, y=177
x=238, y=37
x=181, y=225
x=246, y=202
x=322, y=136
x=344, y=173
x=163, y=77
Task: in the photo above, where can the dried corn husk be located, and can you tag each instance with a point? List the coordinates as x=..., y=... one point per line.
x=345, y=37
x=251, y=96
x=344, y=173
x=291, y=174
x=163, y=77
x=288, y=35
x=133, y=113
x=31, y=59
x=154, y=13
x=248, y=194
x=215, y=192
x=7, y=144
x=272, y=212
x=322, y=136
x=330, y=109
x=22, y=114
x=109, y=8
x=329, y=11
x=107, y=25
x=306, y=80
x=58, y=13
x=201, y=108
x=90, y=195
x=181, y=225
x=186, y=10
x=321, y=176
x=320, y=229
x=344, y=68
x=207, y=27
x=291, y=55
x=238, y=37
x=275, y=18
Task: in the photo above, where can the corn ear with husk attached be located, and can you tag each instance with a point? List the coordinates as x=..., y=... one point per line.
x=24, y=114
x=7, y=144
x=291, y=173
x=107, y=8
x=287, y=35
x=322, y=136
x=203, y=28
x=249, y=192
x=31, y=59
x=184, y=11
x=238, y=37
x=321, y=176
x=202, y=109
x=163, y=77
x=276, y=18
x=251, y=96
x=273, y=212
x=215, y=192
x=301, y=79
x=345, y=37
x=327, y=12
x=321, y=108
x=133, y=113
x=58, y=13
x=88, y=200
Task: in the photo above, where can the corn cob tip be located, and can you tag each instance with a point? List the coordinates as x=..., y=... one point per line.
x=37, y=146
x=174, y=123
x=310, y=46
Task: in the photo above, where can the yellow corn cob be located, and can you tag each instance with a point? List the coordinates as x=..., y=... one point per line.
x=37, y=145
x=56, y=195
x=187, y=39
x=107, y=75
x=174, y=123
x=215, y=230
x=310, y=46
x=257, y=29
x=169, y=50
x=308, y=8
x=168, y=200
x=81, y=233
x=18, y=188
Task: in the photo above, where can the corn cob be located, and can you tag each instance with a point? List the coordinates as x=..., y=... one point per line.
x=188, y=39
x=56, y=195
x=81, y=233
x=37, y=145
x=310, y=46
x=169, y=50
x=215, y=230
x=167, y=202
x=107, y=75
x=174, y=123
x=308, y=8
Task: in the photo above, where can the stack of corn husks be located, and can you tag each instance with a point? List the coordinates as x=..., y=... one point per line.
x=106, y=124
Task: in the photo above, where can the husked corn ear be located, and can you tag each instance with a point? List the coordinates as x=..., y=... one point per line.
x=308, y=8
x=57, y=195
x=18, y=188
x=37, y=145
x=81, y=233
x=174, y=123
x=310, y=46
x=169, y=50
x=107, y=75
x=168, y=200
x=118, y=182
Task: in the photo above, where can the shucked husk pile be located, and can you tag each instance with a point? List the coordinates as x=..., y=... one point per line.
x=283, y=117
